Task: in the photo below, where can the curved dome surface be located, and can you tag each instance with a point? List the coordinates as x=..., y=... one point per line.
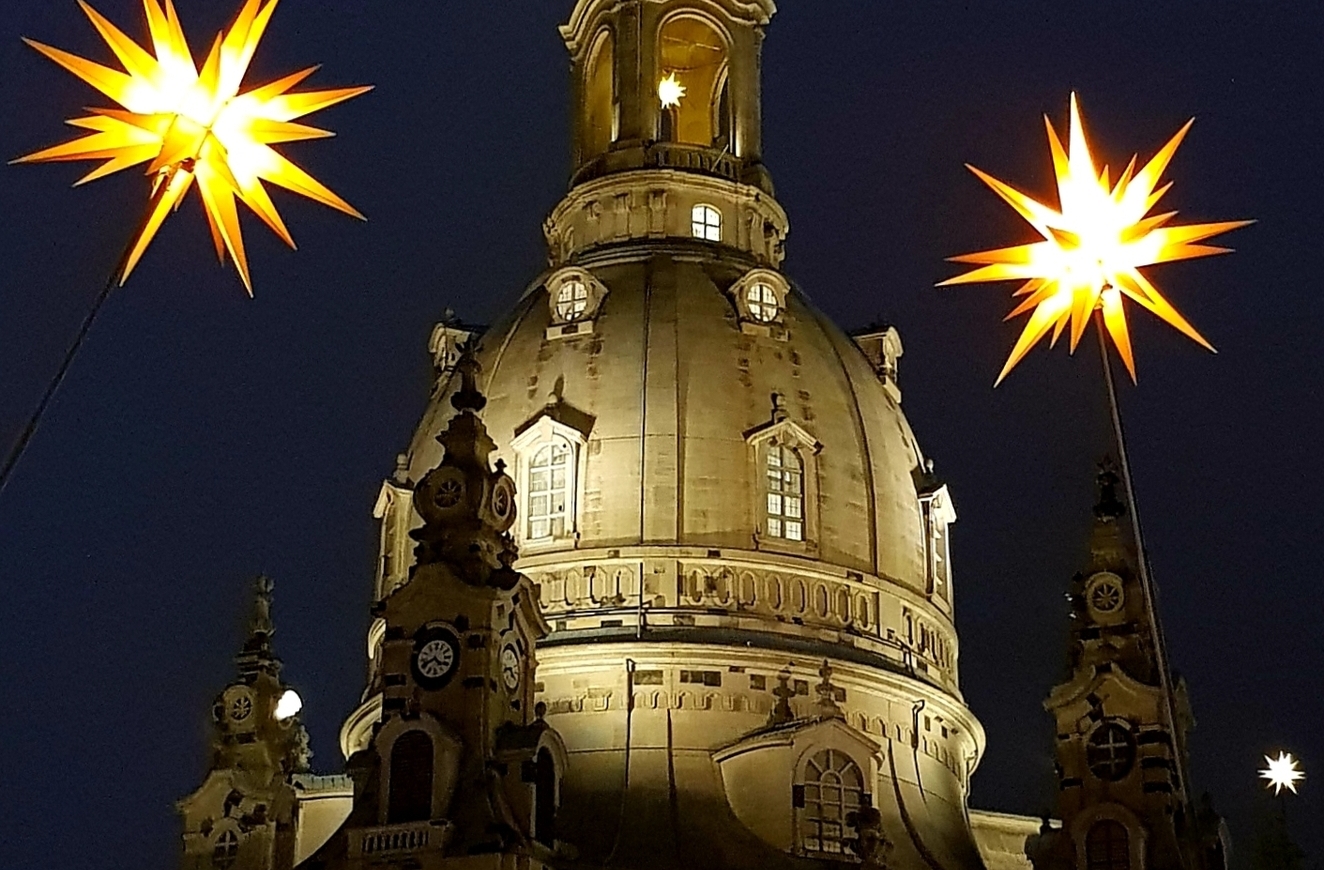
x=669, y=388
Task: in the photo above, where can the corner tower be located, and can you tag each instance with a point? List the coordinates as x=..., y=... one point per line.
x=740, y=550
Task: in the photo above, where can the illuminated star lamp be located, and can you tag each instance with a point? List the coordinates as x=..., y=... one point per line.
x=670, y=91
x=189, y=124
x=1283, y=772
x=1093, y=247
x=1088, y=260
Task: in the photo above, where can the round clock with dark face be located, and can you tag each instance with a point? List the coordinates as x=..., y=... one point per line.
x=436, y=656
x=510, y=668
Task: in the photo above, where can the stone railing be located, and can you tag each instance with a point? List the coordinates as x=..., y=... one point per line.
x=390, y=840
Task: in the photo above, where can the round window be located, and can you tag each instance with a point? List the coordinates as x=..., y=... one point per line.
x=572, y=300
x=764, y=306
x=1111, y=752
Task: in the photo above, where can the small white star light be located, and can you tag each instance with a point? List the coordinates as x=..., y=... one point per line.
x=670, y=91
x=1283, y=772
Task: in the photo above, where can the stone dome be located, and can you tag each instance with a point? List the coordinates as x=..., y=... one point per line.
x=666, y=389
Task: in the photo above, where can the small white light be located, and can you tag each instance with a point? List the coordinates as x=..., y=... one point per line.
x=289, y=705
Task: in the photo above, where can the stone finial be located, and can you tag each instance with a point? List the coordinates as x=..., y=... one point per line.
x=827, y=694
x=468, y=397
x=782, y=712
x=1109, y=506
x=870, y=843
x=257, y=655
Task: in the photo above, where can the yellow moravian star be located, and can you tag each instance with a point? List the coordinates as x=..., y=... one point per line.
x=1093, y=247
x=194, y=124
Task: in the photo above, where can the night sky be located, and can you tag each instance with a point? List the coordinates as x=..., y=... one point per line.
x=204, y=437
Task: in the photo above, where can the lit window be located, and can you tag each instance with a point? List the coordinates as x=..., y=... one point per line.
x=549, y=490
x=786, y=490
x=225, y=852
x=572, y=300
x=763, y=303
x=1107, y=846
x=706, y=223
x=833, y=788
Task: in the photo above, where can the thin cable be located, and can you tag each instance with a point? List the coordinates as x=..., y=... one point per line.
x=21, y=445
x=1142, y=558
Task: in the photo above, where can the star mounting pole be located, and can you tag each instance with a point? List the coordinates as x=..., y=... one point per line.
x=189, y=124
x=1085, y=266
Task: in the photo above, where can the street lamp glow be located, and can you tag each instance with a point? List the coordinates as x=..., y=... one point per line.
x=670, y=91
x=288, y=706
x=1283, y=772
x=190, y=124
x=1093, y=247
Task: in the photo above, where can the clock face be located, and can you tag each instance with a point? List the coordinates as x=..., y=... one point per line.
x=510, y=668
x=436, y=655
x=1105, y=596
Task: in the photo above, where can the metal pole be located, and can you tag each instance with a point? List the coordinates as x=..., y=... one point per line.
x=21, y=445
x=1147, y=585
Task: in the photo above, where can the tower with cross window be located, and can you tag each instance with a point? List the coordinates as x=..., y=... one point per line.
x=1123, y=799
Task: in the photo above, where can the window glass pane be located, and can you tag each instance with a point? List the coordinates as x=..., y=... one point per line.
x=785, y=494
x=774, y=504
x=550, y=482
x=774, y=527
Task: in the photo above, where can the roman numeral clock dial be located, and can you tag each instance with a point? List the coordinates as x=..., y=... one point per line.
x=436, y=656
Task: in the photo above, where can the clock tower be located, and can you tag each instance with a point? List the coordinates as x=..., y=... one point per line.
x=460, y=766
x=1122, y=795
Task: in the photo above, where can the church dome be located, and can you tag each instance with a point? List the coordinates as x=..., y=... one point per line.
x=669, y=386
x=738, y=547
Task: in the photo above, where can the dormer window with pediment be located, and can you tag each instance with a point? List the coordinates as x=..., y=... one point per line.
x=549, y=468
x=575, y=298
x=785, y=461
x=760, y=300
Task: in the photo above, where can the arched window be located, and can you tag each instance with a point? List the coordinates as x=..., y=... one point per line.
x=411, y=779
x=764, y=306
x=572, y=300
x=722, y=122
x=706, y=223
x=225, y=852
x=695, y=53
x=603, y=111
x=786, y=490
x=544, y=809
x=549, y=487
x=833, y=787
x=1107, y=846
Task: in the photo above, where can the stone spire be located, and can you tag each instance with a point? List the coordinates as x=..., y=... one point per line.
x=1119, y=763
x=467, y=505
x=243, y=814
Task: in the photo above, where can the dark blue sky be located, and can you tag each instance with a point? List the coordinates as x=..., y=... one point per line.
x=204, y=437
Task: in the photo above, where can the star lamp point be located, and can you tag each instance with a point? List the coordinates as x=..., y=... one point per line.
x=670, y=91
x=195, y=125
x=1092, y=247
x=1283, y=772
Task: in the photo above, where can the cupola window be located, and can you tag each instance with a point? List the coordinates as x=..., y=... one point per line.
x=225, y=852
x=786, y=489
x=549, y=488
x=764, y=303
x=572, y=301
x=602, y=110
x=1107, y=846
x=692, y=56
x=833, y=788
x=706, y=223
